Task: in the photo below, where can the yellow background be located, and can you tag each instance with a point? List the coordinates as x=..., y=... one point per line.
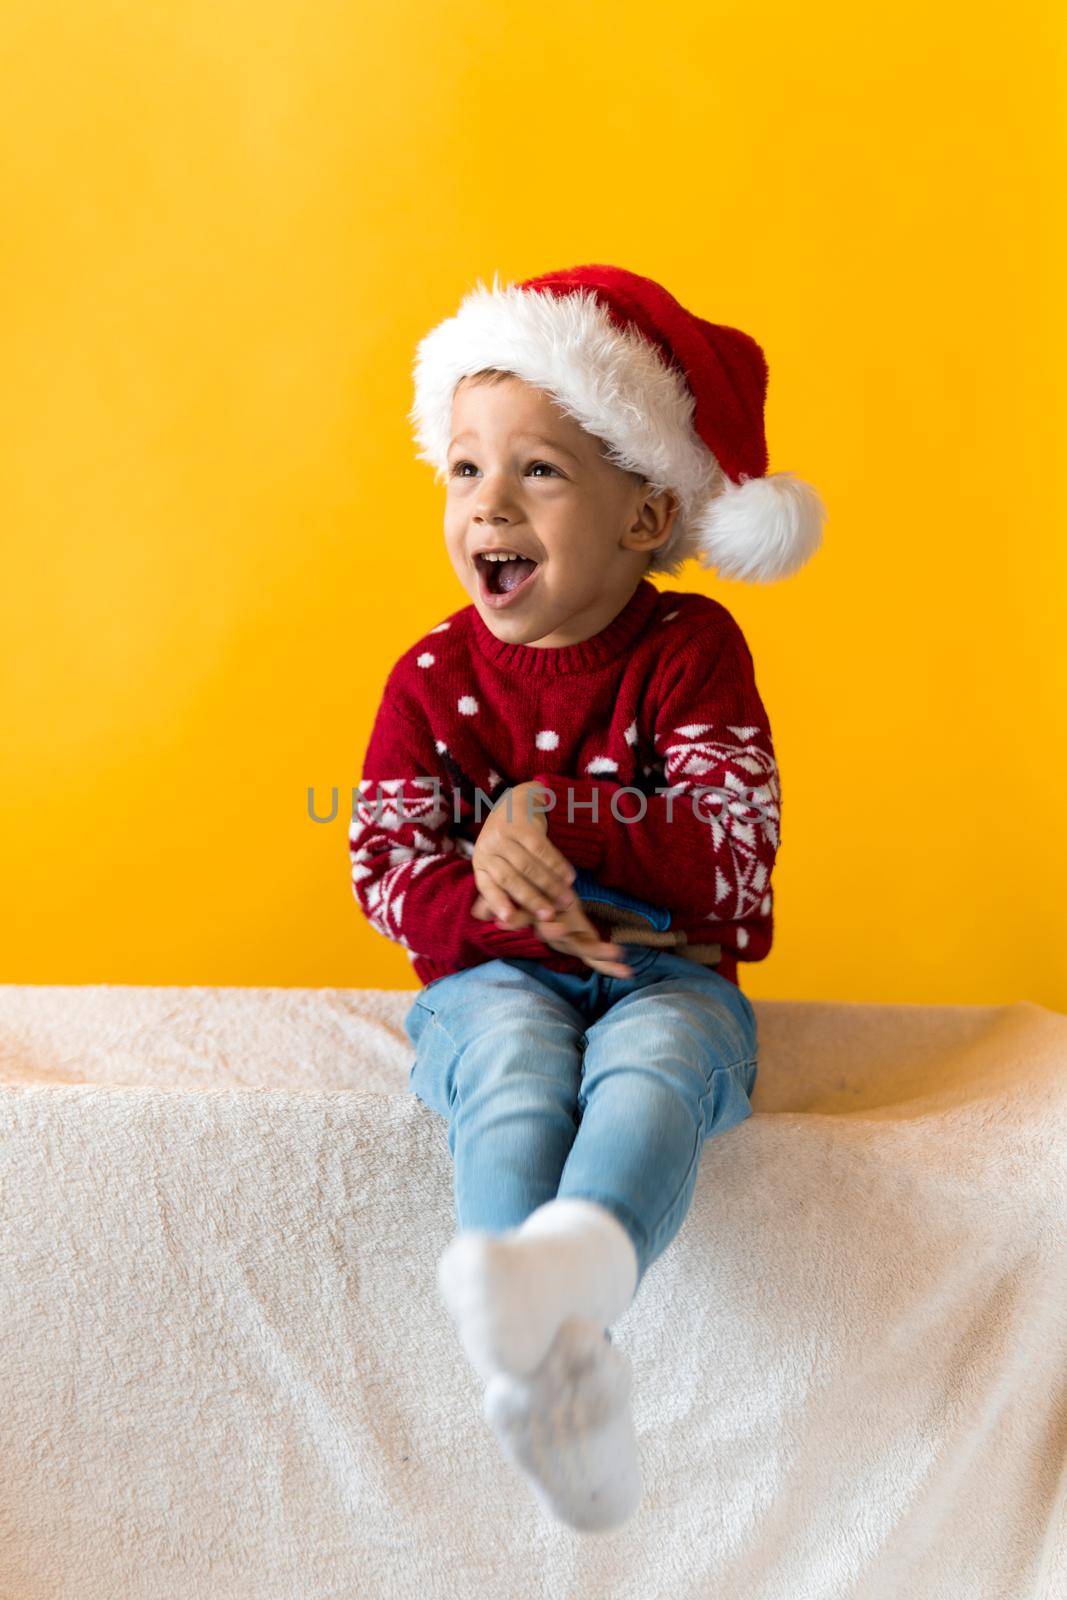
x=226, y=228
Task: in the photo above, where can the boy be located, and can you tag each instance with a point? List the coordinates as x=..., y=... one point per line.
x=581, y=1025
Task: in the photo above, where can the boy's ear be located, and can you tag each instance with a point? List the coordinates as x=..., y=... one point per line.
x=654, y=522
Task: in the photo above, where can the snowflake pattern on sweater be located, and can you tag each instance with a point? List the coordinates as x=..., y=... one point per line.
x=654, y=746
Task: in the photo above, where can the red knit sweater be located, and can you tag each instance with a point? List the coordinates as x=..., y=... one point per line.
x=662, y=699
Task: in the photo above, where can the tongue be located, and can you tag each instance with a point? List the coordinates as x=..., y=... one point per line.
x=512, y=573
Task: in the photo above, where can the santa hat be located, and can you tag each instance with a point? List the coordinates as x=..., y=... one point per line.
x=674, y=398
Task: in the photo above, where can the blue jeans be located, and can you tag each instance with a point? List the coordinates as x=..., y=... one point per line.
x=580, y=1084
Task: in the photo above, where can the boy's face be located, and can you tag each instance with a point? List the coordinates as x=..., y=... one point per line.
x=524, y=476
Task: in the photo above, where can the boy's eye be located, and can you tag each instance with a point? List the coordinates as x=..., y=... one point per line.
x=457, y=470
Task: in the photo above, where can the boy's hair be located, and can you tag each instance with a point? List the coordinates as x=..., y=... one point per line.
x=490, y=374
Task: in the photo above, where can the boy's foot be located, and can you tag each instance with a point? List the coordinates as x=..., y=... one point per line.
x=569, y=1428
x=509, y=1293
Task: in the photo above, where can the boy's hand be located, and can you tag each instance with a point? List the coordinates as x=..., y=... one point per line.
x=516, y=866
x=572, y=934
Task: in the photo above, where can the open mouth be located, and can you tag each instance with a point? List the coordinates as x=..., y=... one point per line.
x=500, y=580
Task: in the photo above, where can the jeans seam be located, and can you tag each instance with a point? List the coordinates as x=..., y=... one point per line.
x=437, y=1023
x=736, y=1066
x=655, y=1233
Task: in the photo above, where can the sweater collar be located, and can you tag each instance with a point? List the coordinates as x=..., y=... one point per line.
x=585, y=656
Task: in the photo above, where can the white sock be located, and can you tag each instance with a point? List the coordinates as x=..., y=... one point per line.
x=570, y=1429
x=508, y=1293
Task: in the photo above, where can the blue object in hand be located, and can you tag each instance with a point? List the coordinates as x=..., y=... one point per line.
x=586, y=887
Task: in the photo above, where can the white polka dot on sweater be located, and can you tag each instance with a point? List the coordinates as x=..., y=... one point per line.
x=765, y=904
x=669, y=615
x=425, y=660
x=440, y=628
x=440, y=746
x=546, y=739
x=467, y=704
x=631, y=733
x=742, y=938
x=602, y=764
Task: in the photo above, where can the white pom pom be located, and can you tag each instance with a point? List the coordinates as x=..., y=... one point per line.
x=760, y=529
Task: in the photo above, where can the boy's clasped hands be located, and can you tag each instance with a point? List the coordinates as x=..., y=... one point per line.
x=524, y=881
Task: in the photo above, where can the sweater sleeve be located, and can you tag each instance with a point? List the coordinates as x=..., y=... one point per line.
x=411, y=874
x=707, y=840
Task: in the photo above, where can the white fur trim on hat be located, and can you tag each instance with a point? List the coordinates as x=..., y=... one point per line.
x=615, y=386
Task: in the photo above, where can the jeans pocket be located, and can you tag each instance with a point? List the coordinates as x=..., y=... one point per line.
x=727, y=1101
x=742, y=1012
x=639, y=957
x=747, y=1005
x=415, y=1020
x=433, y=1072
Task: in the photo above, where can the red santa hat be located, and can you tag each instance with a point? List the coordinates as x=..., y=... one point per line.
x=674, y=398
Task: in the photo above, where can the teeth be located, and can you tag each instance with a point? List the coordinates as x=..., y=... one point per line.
x=500, y=555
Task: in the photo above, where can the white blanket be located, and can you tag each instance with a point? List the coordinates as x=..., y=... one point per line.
x=225, y=1373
